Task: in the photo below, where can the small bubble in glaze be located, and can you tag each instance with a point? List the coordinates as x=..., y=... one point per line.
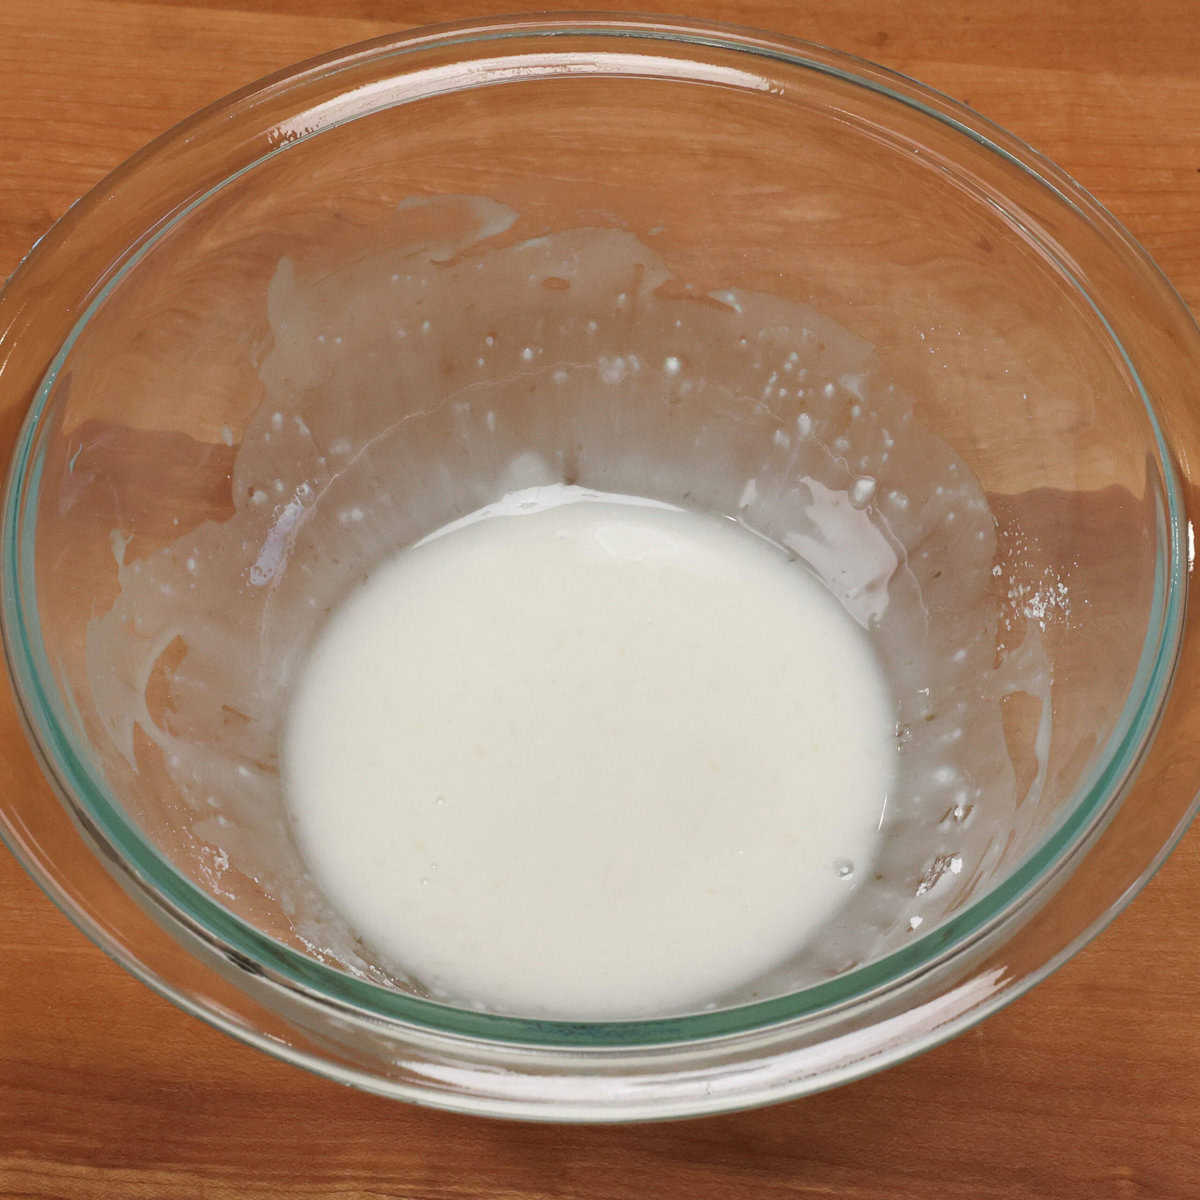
x=612, y=370
x=862, y=491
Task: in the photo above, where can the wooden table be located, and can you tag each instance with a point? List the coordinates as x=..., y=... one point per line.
x=1089, y=1087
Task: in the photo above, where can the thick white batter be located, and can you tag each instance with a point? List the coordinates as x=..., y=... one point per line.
x=586, y=756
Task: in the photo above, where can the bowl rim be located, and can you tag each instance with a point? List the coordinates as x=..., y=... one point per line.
x=157, y=883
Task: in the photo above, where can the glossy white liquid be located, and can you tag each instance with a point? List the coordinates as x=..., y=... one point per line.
x=589, y=757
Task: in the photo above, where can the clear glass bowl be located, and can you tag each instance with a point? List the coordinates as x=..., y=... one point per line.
x=1017, y=363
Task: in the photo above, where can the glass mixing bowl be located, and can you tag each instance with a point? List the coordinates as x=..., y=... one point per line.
x=750, y=275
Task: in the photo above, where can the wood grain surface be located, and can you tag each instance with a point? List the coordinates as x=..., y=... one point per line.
x=1089, y=1087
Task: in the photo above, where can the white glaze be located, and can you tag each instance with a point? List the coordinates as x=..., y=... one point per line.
x=589, y=757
